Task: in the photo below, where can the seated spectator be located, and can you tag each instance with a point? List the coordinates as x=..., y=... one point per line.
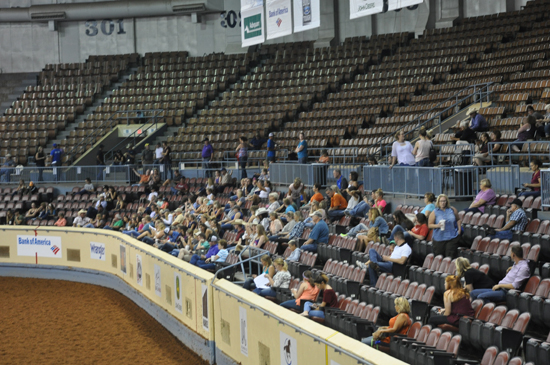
x=7, y=168
x=88, y=187
x=401, y=223
x=267, y=270
x=97, y=206
x=447, y=226
x=98, y=222
x=354, y=199
x=61, y=221
x=402, y=151
x=256, y=142
x=378, y=264
x=315, y=207
x=399, y=324
x=375, y=221
x=420, y=230
x=360, y=210
x=477, y=121
x=341, y=181
x=372, y=161
x=516, y=220
x=264, y=175
x=47, y=211
x=263, y=217
x=81, y=220
x=319, y=234
x=275, y=226
x=118, y=158
x=209, y=263
x=295, y=231
x=280, y=280
x=353, y=185
x=306, y=291
x=379, y=202
x=317, y=196
x=143, y=178
x=285, y=231
x=534, y=185
x=261, y=190
x=525, y=132
x=547, y=126
x=120, y=205
x=227, y=222
x=118, y=224
x=465, y=134
x=486, y=196
x=21, y=188
x=19, y=218
x=515, y=277
x=482, y=154
x=31, y=189
x=456, y=302
x=32, y=213
x=295, y=251
x=330, y=299
x=147, y=223
x=273, y=202
x=337, y=203
x=324, y=157
x=473, y=278
x=429, y=199
x=296, y=189
x=196, y=244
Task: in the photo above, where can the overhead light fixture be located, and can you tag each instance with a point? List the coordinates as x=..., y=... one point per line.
x=189, y=8
x=49, y=15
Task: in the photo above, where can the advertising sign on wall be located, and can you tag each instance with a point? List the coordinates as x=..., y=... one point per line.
x=398, y=4
x=158, y=289
x=307, y=15
x=244, y=331
x=359, y=8
x=123, y=258
x=177, y=285
x=97, y=251
x=139, y=270
x=289, y=349
x=278, y=18
x=42, y=246
x=253, y=28
x=205, y=320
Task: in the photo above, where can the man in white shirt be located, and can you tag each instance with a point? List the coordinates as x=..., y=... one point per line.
x=158, y=154
x=81, y=220
x=378, y=264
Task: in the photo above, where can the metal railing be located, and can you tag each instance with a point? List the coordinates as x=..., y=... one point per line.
x=545, y=188
x=285, y=173
x=481, y=90
x=254, y=257
x=530, y=149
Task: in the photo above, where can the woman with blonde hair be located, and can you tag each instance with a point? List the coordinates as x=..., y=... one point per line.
x=399, y=324
x=457, y=303
x=267, y=269
x=280, y=280
x=445, y=223
x=474, y=278
x=375, y=220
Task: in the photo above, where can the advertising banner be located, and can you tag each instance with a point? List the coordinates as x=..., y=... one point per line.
x=289, y=349
x=278, y=18
x=139, y=270
x=398, y=4
x=205, y=320
x=244, y=331
x=123, y=258
x=177, y=285
x=97, y=251
x=252, y=28
x=307, y=15
x=359, y=8
x=43, y=246
x=158, y=287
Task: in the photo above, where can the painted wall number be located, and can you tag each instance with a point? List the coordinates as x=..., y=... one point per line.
x=230, y=19
x=107, y=27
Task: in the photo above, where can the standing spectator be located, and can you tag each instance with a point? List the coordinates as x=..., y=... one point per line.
x=256, y=142
x=319, y=234
x=158, y=154
x=130, y=155
x=486, y=196
x=477, y=121
x=271, y=148
x=40, y=159
x=166, y=160
x=422, y=149
x=341, y=181
x=337, y=203
x=301, y=150
x=242, y=155
x=146, y=155
x=402, y=151
x=207, y=155
x=535, y=180
x=456, y=302
x=7, y=168
x=525, y=132
x=225, y=180
x=516, y=275
x=100, y=161
x=473, y=278
x=516, y=220
x=446, y=227
x=56, y=154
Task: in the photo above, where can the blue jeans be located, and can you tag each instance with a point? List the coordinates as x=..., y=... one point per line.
x=206, y=167
x=312, y=247
x=488, y=295
x=360, y=210
x=360, y=227
x=384, y=266
x=134, y=234
x=424, y=163
x=308, y=222
x=302, y=159
x=503, y=235
x=473, y=210
x=313, y=313
x=530, y=193
x=399, y=228
x=268, y=292
x=335, y=214
x=89, y=225
x=225, y=227
x=290, y=304
x=6, y=172
x=367, y=341
x=242, y=165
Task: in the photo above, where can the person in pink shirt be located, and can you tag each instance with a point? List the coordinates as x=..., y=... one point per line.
x=486, y=196
x=379, y=201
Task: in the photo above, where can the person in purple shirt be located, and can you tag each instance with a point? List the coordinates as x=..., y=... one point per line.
x=477, y=121
x=207, y=154
x=517, y=275
x=486, y=196
x=212, y=251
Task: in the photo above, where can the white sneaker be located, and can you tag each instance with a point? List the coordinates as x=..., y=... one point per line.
x=361, y=265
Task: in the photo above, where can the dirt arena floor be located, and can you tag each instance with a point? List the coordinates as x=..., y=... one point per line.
x=61, y=322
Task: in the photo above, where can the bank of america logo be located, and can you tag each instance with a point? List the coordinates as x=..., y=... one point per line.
x=54, y=249
x=279, y=21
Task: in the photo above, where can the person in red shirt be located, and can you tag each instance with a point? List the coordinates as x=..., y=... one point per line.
x=420, y=230
x=535, y=180
x=180, y=187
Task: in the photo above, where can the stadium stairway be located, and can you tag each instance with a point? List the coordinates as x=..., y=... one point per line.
x=13, y=85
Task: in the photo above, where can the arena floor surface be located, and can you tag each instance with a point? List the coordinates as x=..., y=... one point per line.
x=61, y=322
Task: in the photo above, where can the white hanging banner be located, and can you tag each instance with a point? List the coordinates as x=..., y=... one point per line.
x=278, y=16
x=359, y=8
x=398, y=4
x=307, y=15
x=253, y=28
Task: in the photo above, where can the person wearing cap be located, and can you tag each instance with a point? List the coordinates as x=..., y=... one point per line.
x=99, y=207
x=263, y=216
x=32, y=189
x=516, y=220
x=256, y=142
x=82, y=219
x=7, y=168
x=301, y=149
x=319, y=234
x=337, y=203
x=146, y=155
x=271, y=154
x=56, y=154
x=207, y=154
x=208, y=262
x=477, y=121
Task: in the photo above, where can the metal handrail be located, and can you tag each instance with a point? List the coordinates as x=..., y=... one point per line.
x=241, y=262
x=455, y=96
x=511, y=154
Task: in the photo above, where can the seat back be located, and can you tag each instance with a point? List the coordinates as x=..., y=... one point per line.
x=502, y=358
x=414, y=329
x=423, y=333
x=436, y=262
x=497, y=315
x=489, y=356
x=516, y=361
x=486, y=311
x=522, y=322
x=454, y=345
x=433, y=337
x=428, y=261
x=532, y=284
x=411, y=290
x=476, y=306
x=544, y=288
x=428, y=295
x=444, y=341
x=374, y=314
x=510, y=318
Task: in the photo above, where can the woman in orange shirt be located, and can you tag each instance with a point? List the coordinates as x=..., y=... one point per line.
x=399, y=324
x=307, y=291
x=337, y=203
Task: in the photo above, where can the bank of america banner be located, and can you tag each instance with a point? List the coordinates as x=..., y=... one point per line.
x=359, y=8
x=252, y=26
x=398, y=4
x=307, y=15
x=278, y=15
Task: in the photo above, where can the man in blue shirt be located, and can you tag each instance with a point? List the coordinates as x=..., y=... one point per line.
x=301, y=150
x=271, y=148
x=7, y=167
x=257, y=142
x=319, y=234
x=56, y=154
x=516, y=221
x=477, y=122
x=207, y=154
x=208, y=263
